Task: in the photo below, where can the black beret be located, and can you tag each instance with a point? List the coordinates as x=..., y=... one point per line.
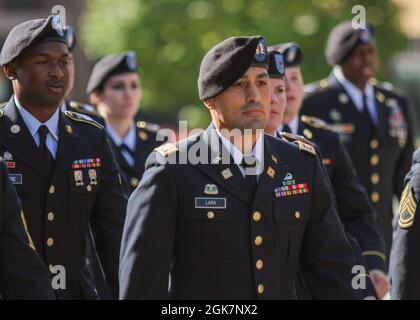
x=29, y=33
x=276, y=64
x=226, y=62
x=343, y=39
x=70, y=36
x=111, y=65
x=292, y=54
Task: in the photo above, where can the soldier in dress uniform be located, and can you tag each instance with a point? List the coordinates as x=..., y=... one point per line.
x=229, y=218
x=371, y=119
x=115, y=89
x=405, y=260
x=92, y=260
x=64, y=170
x=355, y=210
x=23, y=275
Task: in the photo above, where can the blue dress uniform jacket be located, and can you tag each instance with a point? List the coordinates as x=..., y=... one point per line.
x=84, y=188
x=199, y=224
x=23, y=275
x=381, y=160
x=405, y=259
x=354, y=208
x=145, y=143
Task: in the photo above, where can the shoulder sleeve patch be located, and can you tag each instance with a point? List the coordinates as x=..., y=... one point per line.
x=167, y=149
x=407, y=209
x=82, y=118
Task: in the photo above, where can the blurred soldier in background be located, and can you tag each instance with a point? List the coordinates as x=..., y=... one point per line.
x=354, y=208
x=115, y=89
x=371, y=119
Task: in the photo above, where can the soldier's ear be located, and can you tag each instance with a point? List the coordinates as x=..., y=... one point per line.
x=209, y=103
x=10, y=70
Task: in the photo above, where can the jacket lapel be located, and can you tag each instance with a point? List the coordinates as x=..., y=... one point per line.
x=347, y=105
x=383, y=113
x=17, y=139
x=273, y=174
x=69, y=147
x=221, y=167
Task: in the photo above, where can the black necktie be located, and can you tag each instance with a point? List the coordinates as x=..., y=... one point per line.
x=45, y=152
x=367, y=119
x=249, y=163
x=124, y=147
x=287, y=129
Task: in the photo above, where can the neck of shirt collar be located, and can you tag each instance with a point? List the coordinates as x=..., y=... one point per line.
x=354, y=92
x=33, y=123
x=129, y=140
x=293, y=125
x=237, y=155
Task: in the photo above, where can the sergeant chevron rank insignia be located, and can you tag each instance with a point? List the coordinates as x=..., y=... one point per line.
x=407, y=208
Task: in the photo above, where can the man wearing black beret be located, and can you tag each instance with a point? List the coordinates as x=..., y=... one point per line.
x=60, y=163
x=373, y=121
x=230, y=213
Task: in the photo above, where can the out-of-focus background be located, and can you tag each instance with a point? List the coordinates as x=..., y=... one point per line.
x=171, y=37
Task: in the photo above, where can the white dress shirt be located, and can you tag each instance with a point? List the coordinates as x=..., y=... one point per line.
x=129, y=140
x=356, y=95
x=33, y=125
x=293, y=125
x=237, y=155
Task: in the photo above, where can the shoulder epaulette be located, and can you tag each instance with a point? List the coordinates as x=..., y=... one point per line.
x=382, y=85
x=84, y=108
x=386, y=87
x=2, y=104
x=302, y=142
x=151, y=127
x=314, y=122
x=167, y=149
x=316, y=86
x=82, y=118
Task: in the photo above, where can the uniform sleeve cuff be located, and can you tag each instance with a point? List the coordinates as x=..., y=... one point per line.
x=375, y=259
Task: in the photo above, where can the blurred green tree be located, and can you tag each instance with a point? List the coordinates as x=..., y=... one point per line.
x=172, y=36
